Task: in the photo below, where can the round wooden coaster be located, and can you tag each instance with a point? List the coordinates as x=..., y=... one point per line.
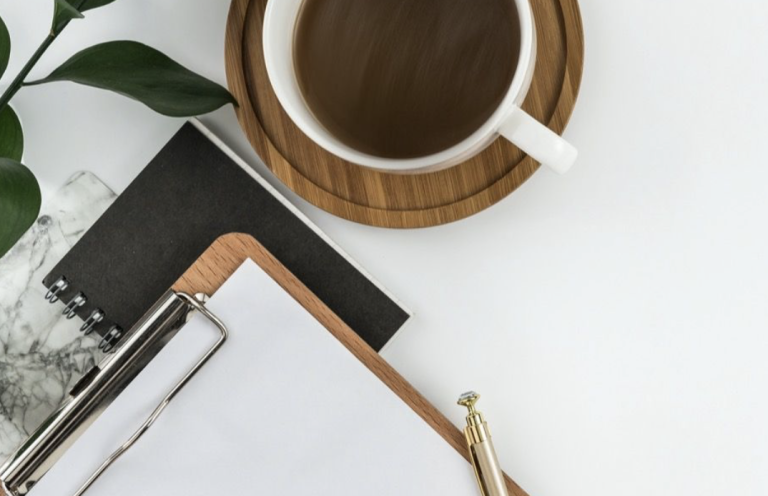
x=392, y=199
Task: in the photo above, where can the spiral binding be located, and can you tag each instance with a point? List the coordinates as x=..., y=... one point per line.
x=110, y=339
x=90, y=323
x=57, y=287
x=71, y=309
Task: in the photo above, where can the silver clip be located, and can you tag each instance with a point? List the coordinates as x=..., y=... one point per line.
x=168, y=398
x=98, y=388
x=71, y=309
x=109, y=341
x=95, y=317
x=61, y=284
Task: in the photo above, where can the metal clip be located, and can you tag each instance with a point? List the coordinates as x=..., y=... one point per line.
x=97, y=390
x=95, y=317
x=57, y=287
x=71, y=309
x=168, y=398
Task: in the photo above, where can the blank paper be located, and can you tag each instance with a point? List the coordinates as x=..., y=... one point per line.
x=284, y=408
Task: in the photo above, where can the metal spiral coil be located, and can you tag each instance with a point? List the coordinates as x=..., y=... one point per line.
x=90, y=323
x=110, y=339
x=61, y=284
x=70, y=310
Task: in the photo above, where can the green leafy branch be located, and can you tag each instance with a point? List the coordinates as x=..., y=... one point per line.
x=129, y=68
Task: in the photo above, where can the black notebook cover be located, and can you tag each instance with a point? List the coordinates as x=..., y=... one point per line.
x=190, y=194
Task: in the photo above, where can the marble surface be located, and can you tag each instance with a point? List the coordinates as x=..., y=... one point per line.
x=42, y=354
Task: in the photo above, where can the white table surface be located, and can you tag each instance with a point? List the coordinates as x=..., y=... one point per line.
x=616, y=318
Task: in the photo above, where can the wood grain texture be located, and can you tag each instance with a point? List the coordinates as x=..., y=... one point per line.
x=395, y=199
x=224, y=257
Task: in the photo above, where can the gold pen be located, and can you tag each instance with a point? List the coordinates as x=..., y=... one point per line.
x=490, y=477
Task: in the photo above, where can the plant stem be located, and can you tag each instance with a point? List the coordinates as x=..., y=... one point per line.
x=19, y=80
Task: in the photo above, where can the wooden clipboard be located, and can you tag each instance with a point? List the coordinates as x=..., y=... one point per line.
x=224, y=257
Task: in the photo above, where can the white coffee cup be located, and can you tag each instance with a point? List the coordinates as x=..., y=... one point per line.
x=509, y=120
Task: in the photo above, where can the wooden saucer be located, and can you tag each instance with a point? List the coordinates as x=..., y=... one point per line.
x=391, y=199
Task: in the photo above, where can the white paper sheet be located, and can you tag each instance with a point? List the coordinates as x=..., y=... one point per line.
x=282, y=409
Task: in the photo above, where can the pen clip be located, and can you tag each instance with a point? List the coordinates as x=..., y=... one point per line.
x=224, y=333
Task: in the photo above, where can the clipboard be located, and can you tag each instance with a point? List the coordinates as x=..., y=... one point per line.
x=206, y=276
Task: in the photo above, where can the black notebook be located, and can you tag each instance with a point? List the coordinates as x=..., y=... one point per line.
x=192, y=192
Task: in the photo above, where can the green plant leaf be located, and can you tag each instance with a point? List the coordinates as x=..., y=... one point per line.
x=63, y=12
x=19, y=202
x=140, y=72
x=66, y=10
x=11, y=135
x=84, y=5
x=5, y=47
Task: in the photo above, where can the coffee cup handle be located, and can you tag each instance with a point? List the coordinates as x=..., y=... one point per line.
x=538, y=141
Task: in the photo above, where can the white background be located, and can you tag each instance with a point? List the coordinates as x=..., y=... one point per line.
x=615, y=318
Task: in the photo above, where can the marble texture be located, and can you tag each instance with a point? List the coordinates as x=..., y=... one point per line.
x=42, y=354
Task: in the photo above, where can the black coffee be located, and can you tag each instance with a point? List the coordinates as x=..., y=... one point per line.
x=405, y=78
